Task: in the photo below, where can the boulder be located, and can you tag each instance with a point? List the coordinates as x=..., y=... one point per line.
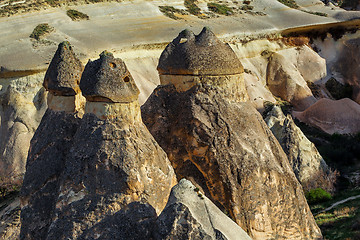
x=190, y=215
x=285, y=81
x=303, y=156
x=332, y=116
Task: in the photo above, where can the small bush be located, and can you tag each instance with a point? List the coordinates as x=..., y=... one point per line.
x=220, y=9
x=247, y=8
x=317, y=195
x=9, y=184
x=289, y=3
x=338, y=90
x=316, y=13
x=76, y=15
x=41, y=30
x=192, y=7
x=170, y=11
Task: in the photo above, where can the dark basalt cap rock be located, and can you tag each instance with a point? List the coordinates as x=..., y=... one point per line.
x=107, y=79
x=203, y=54
x=64, y=73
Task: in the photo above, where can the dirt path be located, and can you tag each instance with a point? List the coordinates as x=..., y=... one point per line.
x=340, y=202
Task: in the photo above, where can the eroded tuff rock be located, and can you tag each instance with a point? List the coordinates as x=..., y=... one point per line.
x=49, y=147
x=190, y=215
x=285, y=81
x=22, y=105
x=332, y=116
x=108, y=79
x=303, y=156
x=58, y=79
x=348, y=65
x=116, y=176
x=191, y=59
x=228, y=151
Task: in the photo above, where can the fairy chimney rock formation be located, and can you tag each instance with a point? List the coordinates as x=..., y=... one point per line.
x=225, y=148
x=202, y=59
x=51, y=143
x=115, y=165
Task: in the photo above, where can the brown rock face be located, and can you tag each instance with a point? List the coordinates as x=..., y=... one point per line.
x=332, y=116
x=64, y=72
x=203, y=54
x=284, y=80
x=228, y=151
x=50, y=145
x=116, y=176
x=107, y=79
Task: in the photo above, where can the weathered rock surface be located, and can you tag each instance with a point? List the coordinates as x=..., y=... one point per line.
x=227, y=149
x=49, y=147
x=115, y=169
x=190, y=215
x=58, y=79
x=285, y=81
x=348, y=65
x=303, y=156
x=203, y=54
x=10, y=219
x=223, y=145
x=22, y=105
x=332, y=116
x=108, y=79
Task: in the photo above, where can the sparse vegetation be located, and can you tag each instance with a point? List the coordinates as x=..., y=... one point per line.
x=316, y=13
x=41, y=30
x=9, y=184
x=170, y=11
x=289, y=3
x=220, y=9
x=247, y=8
x=192, y=7
x=315, y=89
x=76, y=15
x=338, y=90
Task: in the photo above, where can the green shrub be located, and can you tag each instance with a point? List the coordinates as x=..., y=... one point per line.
x=289, y=3
x=170, y=11
x=41, y=30
x=317, y=195
x=338, y=90
x=220, y=9
x=316, y=13
x=192, y=7
x=76, y=15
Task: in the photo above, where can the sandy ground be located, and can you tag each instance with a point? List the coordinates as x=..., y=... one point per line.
x=119, y=27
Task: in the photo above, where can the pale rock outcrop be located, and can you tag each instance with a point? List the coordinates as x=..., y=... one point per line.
x=51, y=143
x=190, y=215
x=225, y=148
x=285, y=81
x=303, y=156
x=332, y=116
x=116, y=176
x=22, y=105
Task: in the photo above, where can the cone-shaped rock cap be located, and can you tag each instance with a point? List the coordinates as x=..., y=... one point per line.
x=63, y=75
x=107, y=79
x=203, y=54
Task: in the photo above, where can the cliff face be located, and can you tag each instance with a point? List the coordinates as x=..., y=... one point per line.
x=225, y=147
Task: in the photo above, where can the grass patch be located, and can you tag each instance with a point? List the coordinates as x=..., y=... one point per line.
x=316, y=13
x=341, y=222
x=220, y=9
x=76, y=15
x=170, y=11
x=317, y=195
x=41, y=30
x=192, y=7
x=289, y=3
